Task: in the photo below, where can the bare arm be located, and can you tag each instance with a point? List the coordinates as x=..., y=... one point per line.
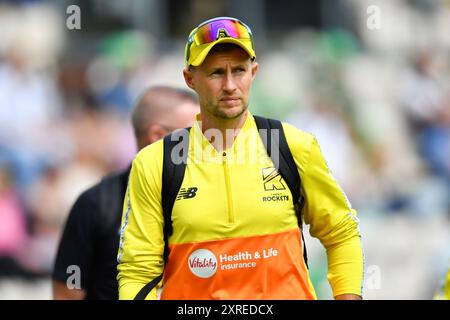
x=62, y=292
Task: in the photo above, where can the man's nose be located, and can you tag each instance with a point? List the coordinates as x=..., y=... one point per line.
x=229, y=84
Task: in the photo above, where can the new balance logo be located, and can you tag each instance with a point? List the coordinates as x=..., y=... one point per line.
x=187, y=193
x=272, y=179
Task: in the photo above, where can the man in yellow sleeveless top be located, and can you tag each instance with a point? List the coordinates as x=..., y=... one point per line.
x=235, y=230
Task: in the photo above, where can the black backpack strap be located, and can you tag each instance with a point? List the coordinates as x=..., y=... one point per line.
x=284, y=162
x=147, y=288
x=176, y=149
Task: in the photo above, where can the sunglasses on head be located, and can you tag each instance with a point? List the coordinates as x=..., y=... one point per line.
x=216, y=28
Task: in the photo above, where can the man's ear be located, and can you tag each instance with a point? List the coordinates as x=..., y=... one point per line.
x=255, y=67
x=188, y=78
x=155, y=132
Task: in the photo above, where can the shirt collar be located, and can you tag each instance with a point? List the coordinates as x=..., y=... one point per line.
x=200, y=139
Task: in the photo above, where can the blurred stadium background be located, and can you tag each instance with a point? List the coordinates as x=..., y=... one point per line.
x=377, y=98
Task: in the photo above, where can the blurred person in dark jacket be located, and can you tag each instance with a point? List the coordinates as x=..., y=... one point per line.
x=85, y=266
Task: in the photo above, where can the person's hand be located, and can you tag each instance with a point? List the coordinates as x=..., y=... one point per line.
x=348, y=297
x=62, y=292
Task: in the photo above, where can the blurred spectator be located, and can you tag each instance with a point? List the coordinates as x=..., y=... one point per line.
x=12, y=226
x=110, y=74
x=29, y=103
x=29, y=99
x=423, y=97
x=426, y=101
x=91, y=239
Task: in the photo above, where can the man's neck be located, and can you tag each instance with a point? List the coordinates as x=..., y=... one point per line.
x=228, y=128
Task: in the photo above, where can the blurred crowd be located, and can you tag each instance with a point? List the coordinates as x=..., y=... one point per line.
x=377, y=101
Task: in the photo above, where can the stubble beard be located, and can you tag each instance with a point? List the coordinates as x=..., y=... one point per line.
x=222, y=113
